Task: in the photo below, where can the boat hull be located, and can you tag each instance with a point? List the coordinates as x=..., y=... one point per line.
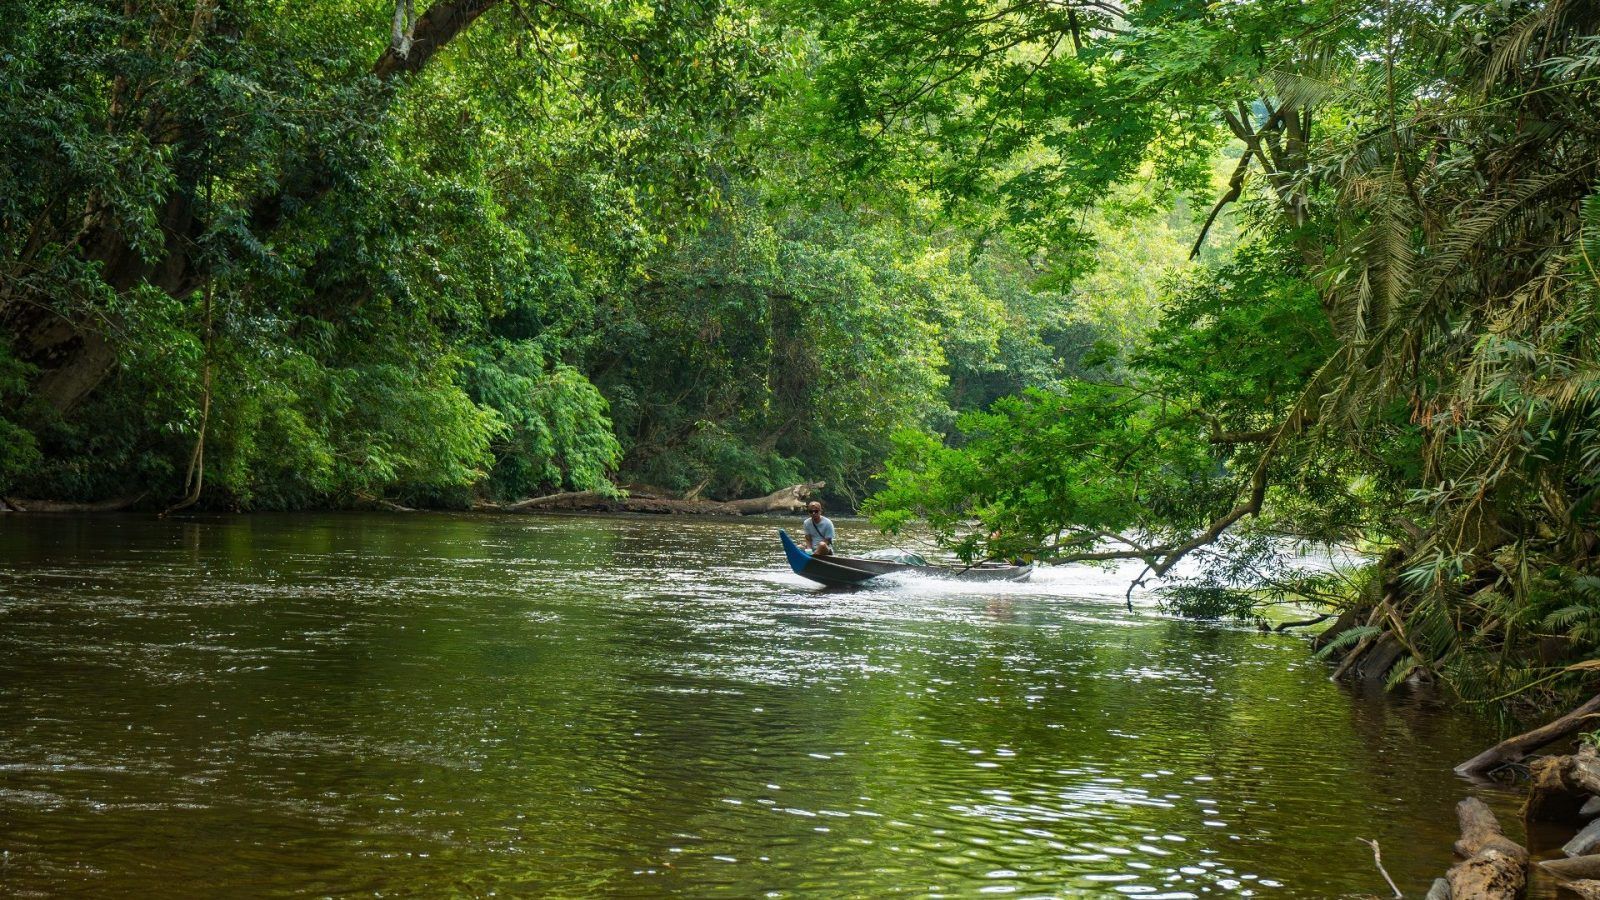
x=842, y=571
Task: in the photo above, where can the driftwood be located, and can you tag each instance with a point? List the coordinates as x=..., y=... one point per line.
x=56, y=506
x=1585, y=842
x=1586, y=889
x=1377, y=860
x=1493, y=866
x=788, y=500
x=1560, y=788
x=1515, y=749
x=1576, y=868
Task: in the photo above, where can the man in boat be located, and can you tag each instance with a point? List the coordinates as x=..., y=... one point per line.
x=818, y=530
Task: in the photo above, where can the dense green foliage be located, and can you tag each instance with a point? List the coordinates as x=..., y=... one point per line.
x=1400, y=358
x=258, y=257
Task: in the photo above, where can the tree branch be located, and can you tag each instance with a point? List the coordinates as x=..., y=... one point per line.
x=437, y=27
x=1303, y=623
x=1244, y=437
x=1235, y=190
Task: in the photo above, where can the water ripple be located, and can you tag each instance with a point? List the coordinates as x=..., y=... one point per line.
x=568, y=706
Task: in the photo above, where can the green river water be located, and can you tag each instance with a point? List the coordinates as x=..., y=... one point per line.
x=454, y=705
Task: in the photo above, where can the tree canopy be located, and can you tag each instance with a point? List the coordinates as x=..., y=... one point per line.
x=258, y=257
x=1397, y=358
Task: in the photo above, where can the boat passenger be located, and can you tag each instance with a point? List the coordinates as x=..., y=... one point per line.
x=818, y=530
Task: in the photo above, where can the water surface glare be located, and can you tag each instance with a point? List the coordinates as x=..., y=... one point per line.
x=434, y=705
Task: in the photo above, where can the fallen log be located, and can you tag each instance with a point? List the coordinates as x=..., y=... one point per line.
x=595, y=501
x=1381, y=658
x=1585, y=842
x=1561, y=788
x=789, y=499
x=1493, y=866
x=18, y=504
x=1574, y=869
x=1515, y=749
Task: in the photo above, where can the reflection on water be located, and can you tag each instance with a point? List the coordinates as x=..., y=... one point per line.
x=608, y=707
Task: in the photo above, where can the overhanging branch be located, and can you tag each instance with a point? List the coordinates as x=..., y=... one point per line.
x=436, y=28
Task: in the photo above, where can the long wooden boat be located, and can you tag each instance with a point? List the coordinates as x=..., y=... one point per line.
x=838, y=571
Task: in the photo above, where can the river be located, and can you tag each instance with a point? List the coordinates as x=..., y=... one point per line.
x=434, y=704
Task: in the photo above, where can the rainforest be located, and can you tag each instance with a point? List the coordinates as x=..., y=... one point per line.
x=1180, y=285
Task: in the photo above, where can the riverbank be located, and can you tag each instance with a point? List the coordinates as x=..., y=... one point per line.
x=633, y=498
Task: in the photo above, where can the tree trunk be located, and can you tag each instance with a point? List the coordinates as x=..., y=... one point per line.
x=74, y=357
x=1381, y=658
x=1353, y=657
x=71, y=360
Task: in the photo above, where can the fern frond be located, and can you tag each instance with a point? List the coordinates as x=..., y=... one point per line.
x=1401, y=671
x=1347, y=639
